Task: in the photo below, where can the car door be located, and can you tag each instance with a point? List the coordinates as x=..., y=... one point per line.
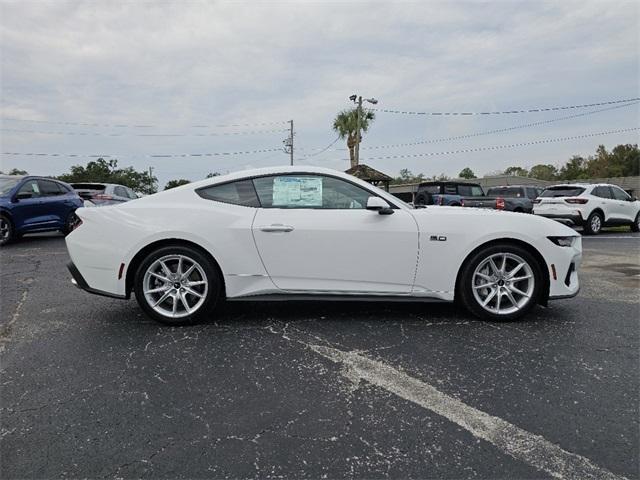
x=604, y=201
x=55, y=204
x=314, y=233
x=625, y=209
x=27, y=212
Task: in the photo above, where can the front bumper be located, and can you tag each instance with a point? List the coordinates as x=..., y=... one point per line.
x=78, y=280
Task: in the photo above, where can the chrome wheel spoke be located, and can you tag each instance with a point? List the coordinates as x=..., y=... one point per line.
x=499, y=300
x=165, y=269
x=174, y=308
x=484, y=285
x=484, y=277
x=195, y=284
x=515, y=270
x=179, y=270
x=193, y=292
x=510, y=297
x=189, y=271
x=519, y=279
x=162, y=298
x=518, y=291
x=490, y=297
x=160, y=277
x=163, y=288
x=184, y=302
x=494, y=267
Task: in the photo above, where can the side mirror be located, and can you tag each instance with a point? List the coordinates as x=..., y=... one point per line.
x=380, y=205
x=23, y=196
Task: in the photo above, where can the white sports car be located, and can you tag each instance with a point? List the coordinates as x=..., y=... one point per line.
x=305, y=233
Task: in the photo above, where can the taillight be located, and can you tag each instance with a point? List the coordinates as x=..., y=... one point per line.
x=500, y=203
x=76, y=223
x=440, y=200
x=103, y=197
x=578, y=201
x=462, y=202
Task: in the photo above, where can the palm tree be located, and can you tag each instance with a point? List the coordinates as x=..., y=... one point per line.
x=346, y=125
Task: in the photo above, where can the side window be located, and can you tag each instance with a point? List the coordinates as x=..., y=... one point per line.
x=120, y=191
x=237, y=193
x=131, y=194
x=464, y=190
x=49, y=188
x=477, y=191
x=532, y=193
x=450, y=189
x=310, y=191
x=30, y=188
x=602, y=192
x=618, y=194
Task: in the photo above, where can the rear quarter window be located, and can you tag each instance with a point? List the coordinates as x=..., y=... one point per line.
x=236, y=193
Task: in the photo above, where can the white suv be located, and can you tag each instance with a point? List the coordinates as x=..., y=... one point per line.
x=589, y=206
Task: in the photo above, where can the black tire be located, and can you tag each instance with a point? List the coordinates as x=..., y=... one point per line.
x=70, y=223
x=519, y=210
x=7, y=232
x=209, y=271
x=424, y=198
x=466, y=287
x=593, y=225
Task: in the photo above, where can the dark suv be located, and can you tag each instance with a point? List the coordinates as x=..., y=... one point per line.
x=35, y=204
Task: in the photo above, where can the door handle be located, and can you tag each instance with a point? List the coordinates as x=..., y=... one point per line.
x=276, y=227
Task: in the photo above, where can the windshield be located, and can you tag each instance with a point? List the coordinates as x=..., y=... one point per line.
x=6, y=184
x=562, y=192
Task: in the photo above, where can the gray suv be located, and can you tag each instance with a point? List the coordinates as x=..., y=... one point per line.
x=104, y=193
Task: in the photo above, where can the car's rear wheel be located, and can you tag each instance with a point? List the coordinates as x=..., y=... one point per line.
x=635, y=226
x=177, y=285
x=501, y=282
x=7, y=233
x=593, y=225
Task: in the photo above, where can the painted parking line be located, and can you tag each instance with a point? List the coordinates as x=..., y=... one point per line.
x=525, y=446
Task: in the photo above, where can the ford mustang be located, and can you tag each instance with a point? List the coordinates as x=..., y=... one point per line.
x=287, y=233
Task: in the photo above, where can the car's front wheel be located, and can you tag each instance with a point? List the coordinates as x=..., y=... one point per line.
x=177, y=285
x=7, y=232
x=501, y=282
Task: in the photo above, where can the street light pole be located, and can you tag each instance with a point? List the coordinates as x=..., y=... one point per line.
x=288, y=142
x=291, y=133
x=357, y=99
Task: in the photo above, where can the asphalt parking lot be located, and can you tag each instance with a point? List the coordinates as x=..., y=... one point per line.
x=91, y=388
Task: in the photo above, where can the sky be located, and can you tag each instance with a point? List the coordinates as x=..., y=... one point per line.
x=151, y=83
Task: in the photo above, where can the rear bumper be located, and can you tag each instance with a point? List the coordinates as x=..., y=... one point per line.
x=78, y=280
x=566, y=218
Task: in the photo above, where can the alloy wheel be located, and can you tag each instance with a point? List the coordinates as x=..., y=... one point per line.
x=5, y=229
x=503, y=283
x=175, y=286
x=596, y=224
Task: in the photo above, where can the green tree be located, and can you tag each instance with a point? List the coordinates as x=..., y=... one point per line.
x=346, y=125
x=107, y=171
x=176, y=183
x=212, y=174
x=467, y=173
x=516, y=171
x=622, y=161
x=15, y=171
x=574, y=169
x=406, y=176
x=544, y=172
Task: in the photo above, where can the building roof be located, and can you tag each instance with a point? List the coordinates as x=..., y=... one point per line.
x=365, y=172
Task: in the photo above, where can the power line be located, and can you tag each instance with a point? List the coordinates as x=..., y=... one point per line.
x=507, y=112
x=490, y=132
x=322, y=150
x=171, y=155
x=100, y=134
x=125, y=125
x=502, y=147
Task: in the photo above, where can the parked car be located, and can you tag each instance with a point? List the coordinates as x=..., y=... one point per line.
x=591, y=206
x=446, y=193
x=104, y=193
x=308, y=232
x=512, y=198
x=35, y=204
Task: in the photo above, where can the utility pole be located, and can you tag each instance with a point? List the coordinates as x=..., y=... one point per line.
x=358, y=136
x=357, y=99
x=288, y=143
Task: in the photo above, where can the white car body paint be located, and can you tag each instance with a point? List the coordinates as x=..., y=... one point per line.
x=413, y=252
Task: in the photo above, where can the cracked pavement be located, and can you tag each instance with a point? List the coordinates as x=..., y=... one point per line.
x=92, y=388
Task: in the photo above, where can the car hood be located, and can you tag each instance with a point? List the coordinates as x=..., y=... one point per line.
x=498, y=220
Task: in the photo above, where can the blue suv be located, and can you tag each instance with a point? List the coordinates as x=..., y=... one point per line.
x=35, y=204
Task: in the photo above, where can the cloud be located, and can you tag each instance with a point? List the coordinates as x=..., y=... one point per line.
x=183, y=63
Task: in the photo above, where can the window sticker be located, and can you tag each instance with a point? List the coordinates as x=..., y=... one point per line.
x=297, y=192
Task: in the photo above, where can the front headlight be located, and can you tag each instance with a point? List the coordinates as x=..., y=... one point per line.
x=563, y=241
